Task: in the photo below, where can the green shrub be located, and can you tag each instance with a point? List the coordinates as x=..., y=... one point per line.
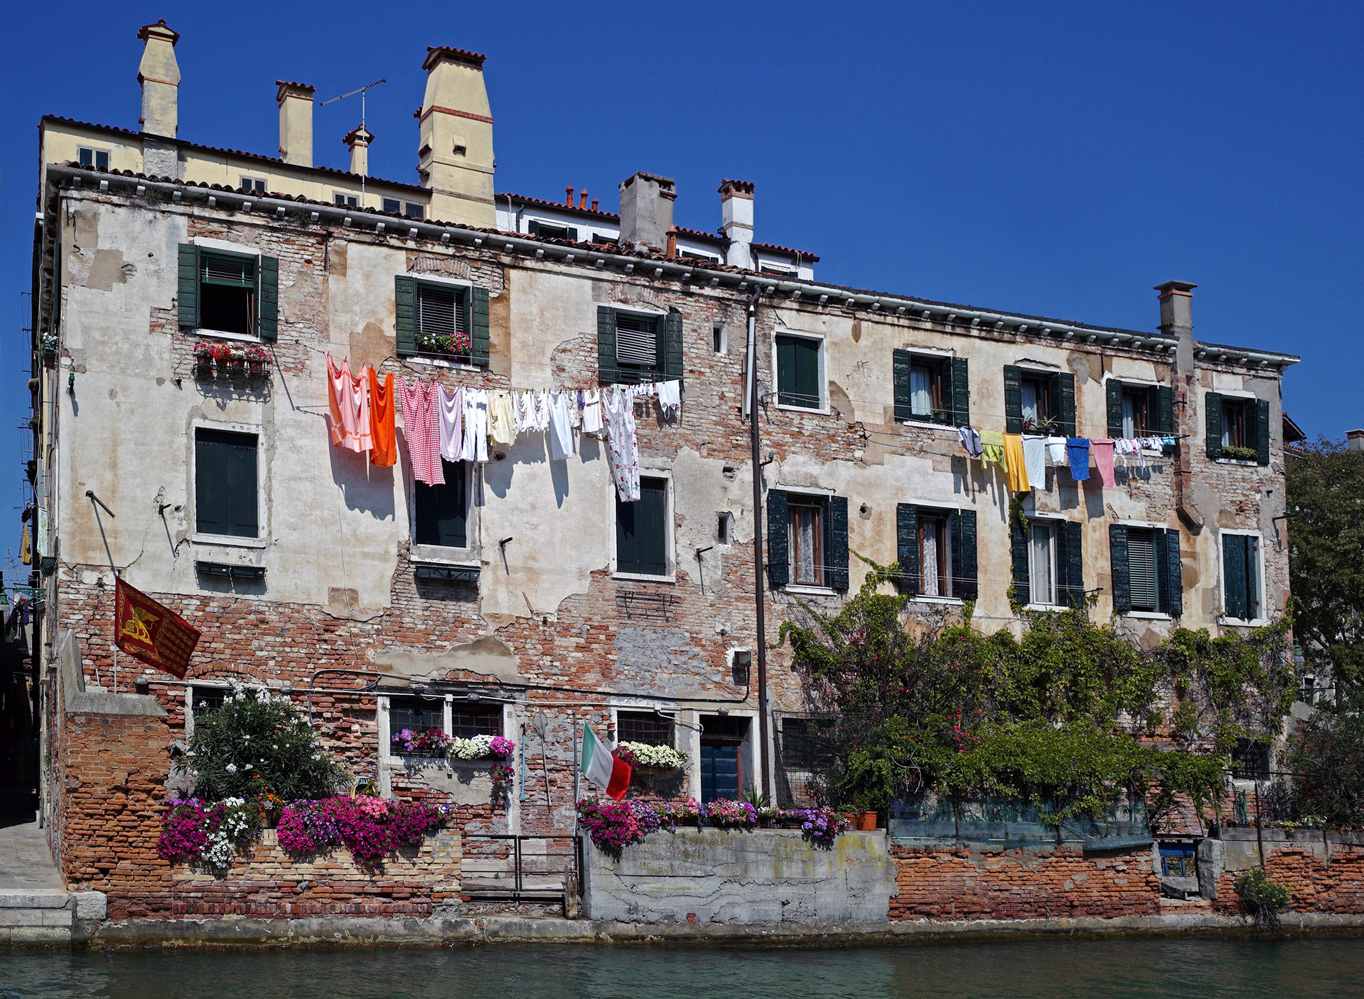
x=1261, y=897
x=255, y=744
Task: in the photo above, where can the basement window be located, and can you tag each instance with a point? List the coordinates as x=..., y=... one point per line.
x=647, y=727
x=407, y=209
x=96, y=158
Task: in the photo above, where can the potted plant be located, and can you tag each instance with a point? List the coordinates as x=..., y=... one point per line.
x=204, y=353
x=645, y=756
x=257, y=361
x=236, y=362
x=421, y=742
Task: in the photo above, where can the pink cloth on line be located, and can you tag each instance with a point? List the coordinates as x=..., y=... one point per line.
x=348, y=401
x=421, y=428
x=1102, y=449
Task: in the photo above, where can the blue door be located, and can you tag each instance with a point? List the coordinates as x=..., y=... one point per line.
x=719, y=770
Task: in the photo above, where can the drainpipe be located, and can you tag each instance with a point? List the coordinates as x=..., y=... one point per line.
x=751, y=399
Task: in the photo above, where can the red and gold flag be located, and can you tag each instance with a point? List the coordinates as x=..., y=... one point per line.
x=152, y=632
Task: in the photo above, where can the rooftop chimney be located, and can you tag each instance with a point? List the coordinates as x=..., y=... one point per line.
x=159, y=74
x=1176, y=319
x=456, y=154
x=646, y=210
x=736, y=222
x=1354, y=440
x=359, y=139
x=295, y=122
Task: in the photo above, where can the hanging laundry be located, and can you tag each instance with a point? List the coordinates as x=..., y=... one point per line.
x=475, y=425
x=560, y=426
x=970, y=440
x=349, y=404
x=501, y=417
x=451, y=412
x=992, y=448
x=540, y=411
x=1015, y=467
x=622, y=443
x=1056, y=450
x=421, y=428
x=670, y=398
x=1102, y=449
x=1156, y=444
x=593, y=419
x=1078, y=449
x=1035, y=460
x=524, y=410
x=383, y=429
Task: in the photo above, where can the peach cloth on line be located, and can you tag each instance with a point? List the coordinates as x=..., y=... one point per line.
x=1102, y=449
x=383, y=428
x=1015, y=469
x=349, y=403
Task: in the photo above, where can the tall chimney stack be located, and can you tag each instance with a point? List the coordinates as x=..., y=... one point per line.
x=455, y=161
x=1176, y=320
x=1354, y=440
x=295, y=122
x=159, y=74
x=646, y=210
x=736, y=222
x=359, y=139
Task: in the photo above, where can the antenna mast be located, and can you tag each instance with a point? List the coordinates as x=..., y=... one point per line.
x=361, y=92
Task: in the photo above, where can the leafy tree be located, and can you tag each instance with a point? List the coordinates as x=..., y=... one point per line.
x=1328, y=757
x=1326, y=555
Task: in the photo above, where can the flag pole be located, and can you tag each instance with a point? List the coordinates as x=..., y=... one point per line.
x=95, y=504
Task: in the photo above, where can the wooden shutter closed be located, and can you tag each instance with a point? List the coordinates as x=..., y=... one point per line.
x=608, y=372
x=1165, y=409
x=1234, y=575
x=405, y=314
x=1070, y=566
x=1212, y=412
x=478, y=326
x=778, y=543
x=962, y=524
x=267, y=319
x=671, y=343
x=836, y=572
x=1145, y=552
x=1118, y=568
x=961, y=392
x=1113, y=398
x=1262, y=431
x=1174, y=571
x=907, y=547
x=642, y=530
x=1018, y=536
x=1063, y=392
x=187, y=294
x=900, y=364
x=225, y=492
x=1013, y=399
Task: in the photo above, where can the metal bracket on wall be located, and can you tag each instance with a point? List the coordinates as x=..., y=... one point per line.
x=636, y=604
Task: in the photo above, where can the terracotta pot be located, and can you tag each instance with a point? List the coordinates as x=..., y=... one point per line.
x=257, y=368
x=851, y=819
x=866, y=821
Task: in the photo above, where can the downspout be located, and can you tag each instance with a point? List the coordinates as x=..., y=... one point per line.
x=758, y=596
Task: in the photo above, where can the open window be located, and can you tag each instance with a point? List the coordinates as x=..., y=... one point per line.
x=936, y=551
x=638, y=346
x=441, y=320
x=1137, y=410
x=1237, y=427
x=931, y=389
x=1047, y=562
x=552, y=230
x=1146, y=569
x=807, y=540
x=1038, y=401
x=224, y=292
x=441, y=512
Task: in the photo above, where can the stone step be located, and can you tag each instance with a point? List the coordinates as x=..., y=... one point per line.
x=31, y=898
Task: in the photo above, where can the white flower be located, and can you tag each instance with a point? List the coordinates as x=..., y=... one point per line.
x=232, y=768
x=247, y=738
x=317, y=756
x=248, y=766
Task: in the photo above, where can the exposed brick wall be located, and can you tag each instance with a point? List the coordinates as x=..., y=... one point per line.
x=1315, y=885
x=1016, y=884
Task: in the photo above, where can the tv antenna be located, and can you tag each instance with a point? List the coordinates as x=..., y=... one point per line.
x=361, y=92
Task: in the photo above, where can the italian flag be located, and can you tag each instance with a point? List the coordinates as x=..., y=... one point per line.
x=601, y=768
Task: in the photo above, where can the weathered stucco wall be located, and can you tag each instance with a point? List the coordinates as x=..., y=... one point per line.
x=767, y=876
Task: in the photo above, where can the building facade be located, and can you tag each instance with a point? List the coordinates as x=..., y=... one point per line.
x=523, y=597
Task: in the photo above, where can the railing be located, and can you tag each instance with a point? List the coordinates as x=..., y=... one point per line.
x=520, y=868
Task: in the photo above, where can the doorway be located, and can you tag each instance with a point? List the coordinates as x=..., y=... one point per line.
x=722, y=739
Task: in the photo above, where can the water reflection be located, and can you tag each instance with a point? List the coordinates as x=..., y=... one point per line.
x=1053, y=969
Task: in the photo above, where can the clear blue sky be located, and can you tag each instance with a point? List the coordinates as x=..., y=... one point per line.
x=1048, y=158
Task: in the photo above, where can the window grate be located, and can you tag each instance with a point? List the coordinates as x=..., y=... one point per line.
x=644, y=726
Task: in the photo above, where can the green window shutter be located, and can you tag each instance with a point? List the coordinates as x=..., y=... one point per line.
x=573, y=233
x=1070, y=564
x=1013, y=399
x=1234, y=576
x=798, y=372
x=1063, y=391
x=1165, y=409
x=1114, y=399
x=962, y=524
x=607, y=370
x=267, y=322
x=478, y=326
x=533, y=227
x=442, y=511
x=1174, y=566
x=1212, y=411
x=642, y=530
x=225, y=492
x=672, y=346
x=907, y=547
x=961, y=392
x=1117, y=561
x=187, y=296
x=1262, y=431
x=1019, y=539
x=900, y=361
x=405, y=313
x=778, y=559
x=836, y=572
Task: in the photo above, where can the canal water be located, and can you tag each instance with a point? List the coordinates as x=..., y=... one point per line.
x=1046, y=969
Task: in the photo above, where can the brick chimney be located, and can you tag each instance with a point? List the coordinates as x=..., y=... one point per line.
x=295, y=122
x=1354, y=440
x=455, y=160
x=159, y=74
x=736, y=222
x=359, y=139
x=646, y=210
x=1176, y=320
